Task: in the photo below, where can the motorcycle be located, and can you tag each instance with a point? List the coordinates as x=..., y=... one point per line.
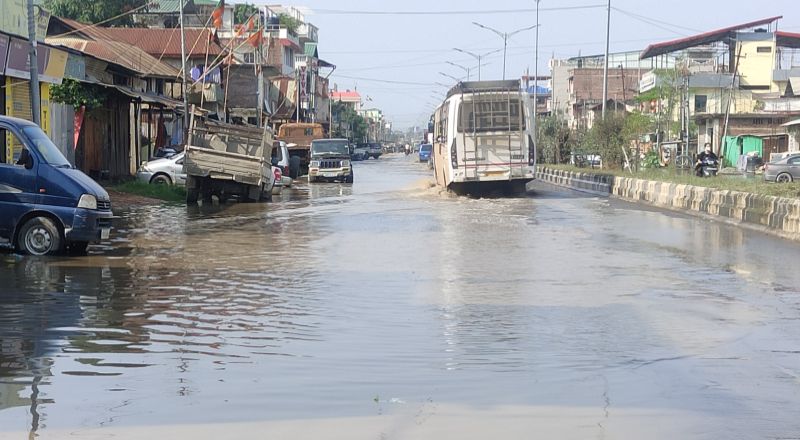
x=708, y=168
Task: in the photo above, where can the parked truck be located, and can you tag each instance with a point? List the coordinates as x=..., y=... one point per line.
x=298, y=136
x=227, y=161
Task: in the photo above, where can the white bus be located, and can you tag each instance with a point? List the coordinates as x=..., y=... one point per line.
x=483, y=140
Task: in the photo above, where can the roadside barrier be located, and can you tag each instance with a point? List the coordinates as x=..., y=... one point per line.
x=776, y=215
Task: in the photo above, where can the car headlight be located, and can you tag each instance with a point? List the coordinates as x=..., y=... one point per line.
x=345, y=164
x=87, y=201
x=314, y=164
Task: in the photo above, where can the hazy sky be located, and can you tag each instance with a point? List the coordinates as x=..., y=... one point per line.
x=414, y=48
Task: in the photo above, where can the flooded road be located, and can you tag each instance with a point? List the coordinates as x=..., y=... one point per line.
x=385, y=310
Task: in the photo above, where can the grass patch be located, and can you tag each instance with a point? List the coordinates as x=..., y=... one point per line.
x=169, y=193
x=753, y=184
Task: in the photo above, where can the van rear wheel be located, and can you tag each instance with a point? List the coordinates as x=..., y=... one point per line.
x=39, y=236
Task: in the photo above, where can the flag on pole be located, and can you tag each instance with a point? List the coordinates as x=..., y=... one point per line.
x=255, y=38
x=216, y=16
x=213, y=37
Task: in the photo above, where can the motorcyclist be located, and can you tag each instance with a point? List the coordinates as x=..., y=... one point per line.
x=706, y=155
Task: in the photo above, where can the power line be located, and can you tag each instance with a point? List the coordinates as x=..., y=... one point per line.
x=649, y=21
x=384, y=80
x=643, y=17
x=464, y=12
x=513, y=50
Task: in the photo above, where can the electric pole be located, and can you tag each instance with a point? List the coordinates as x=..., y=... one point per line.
x=183, y=65
x=34, y=69
x=536, y=80
x=605, y=65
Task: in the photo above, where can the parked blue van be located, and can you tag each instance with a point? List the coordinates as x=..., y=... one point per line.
x=425, y=151
x=46, y=206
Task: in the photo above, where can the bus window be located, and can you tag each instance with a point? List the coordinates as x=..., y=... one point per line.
x=490, y=115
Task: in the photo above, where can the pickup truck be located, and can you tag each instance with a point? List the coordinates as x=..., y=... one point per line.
x=298, y=137
x=330, y=161
x=227, y=161
x=46, y=205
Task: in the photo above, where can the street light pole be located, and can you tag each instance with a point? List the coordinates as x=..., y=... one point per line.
x=450, y=76
x=477, y=57
x=505, y=36
x=466, y=69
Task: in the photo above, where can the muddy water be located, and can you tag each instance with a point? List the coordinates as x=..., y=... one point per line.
x=386, y=310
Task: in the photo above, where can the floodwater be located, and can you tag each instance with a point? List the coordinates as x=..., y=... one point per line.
x=386, y=310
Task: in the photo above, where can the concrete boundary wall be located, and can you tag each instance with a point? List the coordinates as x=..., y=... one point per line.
x=776, y=215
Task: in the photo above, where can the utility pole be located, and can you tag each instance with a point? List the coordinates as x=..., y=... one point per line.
x=34, y=69
x=260, y=77
x=536, y=80
x=183, y=64
x=605, y=65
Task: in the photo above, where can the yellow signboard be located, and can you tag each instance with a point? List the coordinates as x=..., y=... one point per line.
x=56, y=64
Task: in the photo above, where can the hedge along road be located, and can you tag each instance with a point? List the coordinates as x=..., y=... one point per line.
x=386, y=310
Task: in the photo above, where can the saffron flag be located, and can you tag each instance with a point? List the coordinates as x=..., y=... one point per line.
x=256, y=38
x=216, y=16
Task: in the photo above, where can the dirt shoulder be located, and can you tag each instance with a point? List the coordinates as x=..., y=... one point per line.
x=128, y=200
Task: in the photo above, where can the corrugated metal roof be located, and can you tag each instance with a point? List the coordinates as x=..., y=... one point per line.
x=700, y=39
x=165, y=41
x=124, y=54
x=153, y=41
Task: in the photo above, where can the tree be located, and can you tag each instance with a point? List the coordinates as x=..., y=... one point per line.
x=347, y=123
x=78, y=94
x=95, y=11
x=556, y=141
x=607, y=138
x=289, y=22
x=242, y=12
x=667, y=96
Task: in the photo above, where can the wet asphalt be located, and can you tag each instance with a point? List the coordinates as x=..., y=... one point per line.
x=387, y=309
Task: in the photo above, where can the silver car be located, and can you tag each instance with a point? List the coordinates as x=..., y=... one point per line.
x=783, y=170
x=164, y=171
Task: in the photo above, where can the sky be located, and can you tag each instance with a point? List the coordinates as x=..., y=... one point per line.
x=394, y=60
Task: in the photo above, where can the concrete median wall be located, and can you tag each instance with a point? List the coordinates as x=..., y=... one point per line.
x=776, y=215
